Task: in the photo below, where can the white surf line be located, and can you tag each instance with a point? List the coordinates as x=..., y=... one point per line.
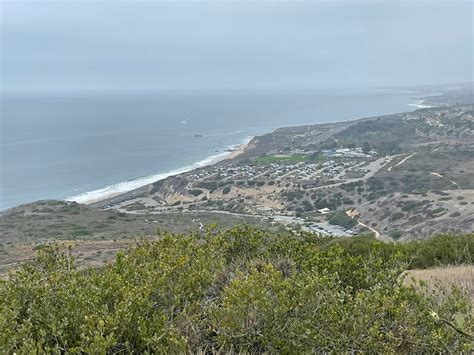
x=420, y=104
x=128, y=186
x=443, y=177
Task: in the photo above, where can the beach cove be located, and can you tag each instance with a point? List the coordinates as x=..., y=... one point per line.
x=85, y=147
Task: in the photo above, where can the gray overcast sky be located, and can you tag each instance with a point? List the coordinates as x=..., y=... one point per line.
x=66, y=45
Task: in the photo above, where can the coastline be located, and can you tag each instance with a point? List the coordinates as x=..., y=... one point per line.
x=421, y=104
x=97, y=194
x=127, y=187
x=231, y=152
x=66, y=179
x=238, y=150
x=131, y=188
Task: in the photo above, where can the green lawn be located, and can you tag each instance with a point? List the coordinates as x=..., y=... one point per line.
x=274, y=158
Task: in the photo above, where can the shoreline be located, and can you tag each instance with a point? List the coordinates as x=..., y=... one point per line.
x=230, y=152
x=421, y=104
x=238, y=150
x=127, y=187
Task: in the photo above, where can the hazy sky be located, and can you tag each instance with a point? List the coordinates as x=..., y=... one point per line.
x=66, y=45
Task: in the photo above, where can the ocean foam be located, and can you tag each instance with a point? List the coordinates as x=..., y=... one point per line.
x=126, y=186
x=420, y=104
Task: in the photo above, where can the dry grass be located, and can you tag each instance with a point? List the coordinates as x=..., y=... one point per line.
x=87, y=253
x=444, y=277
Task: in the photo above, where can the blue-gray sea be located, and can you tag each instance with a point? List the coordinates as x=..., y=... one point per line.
x=84, y=146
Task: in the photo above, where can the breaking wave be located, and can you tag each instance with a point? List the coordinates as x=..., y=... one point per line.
x=126, y=186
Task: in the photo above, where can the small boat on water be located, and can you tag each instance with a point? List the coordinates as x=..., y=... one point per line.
x=184, y=122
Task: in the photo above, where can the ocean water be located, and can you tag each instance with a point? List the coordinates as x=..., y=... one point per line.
x=84, y=146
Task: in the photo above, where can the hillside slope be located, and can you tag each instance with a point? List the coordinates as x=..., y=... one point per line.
x=239, y=290
x=406, y=175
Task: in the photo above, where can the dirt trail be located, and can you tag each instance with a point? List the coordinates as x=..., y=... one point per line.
x=377, y=234
x=400, y=162
x=444, y=177
x=404, y=159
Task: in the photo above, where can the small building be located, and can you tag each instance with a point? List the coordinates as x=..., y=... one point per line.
x=324, y=210
x=353, y=213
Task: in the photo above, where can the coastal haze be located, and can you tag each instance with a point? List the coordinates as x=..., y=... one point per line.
x=125, y=45
x=251, y=177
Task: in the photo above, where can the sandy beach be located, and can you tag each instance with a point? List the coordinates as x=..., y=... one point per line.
x=237, y=151
x=120, y=192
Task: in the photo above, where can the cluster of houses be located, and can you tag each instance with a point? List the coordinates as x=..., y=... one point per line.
x=299, y=170
x=347, y=153
x=229, y=171
x=201, y=174
x=277, y=171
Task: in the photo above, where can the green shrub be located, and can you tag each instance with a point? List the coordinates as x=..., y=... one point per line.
x=411, y=205
x=395, y=235
x=436, y=211
x=441, y=250
x=347, y=201
x=343, y=220
x=237, y=290
x=396, y=215
x=195, y=192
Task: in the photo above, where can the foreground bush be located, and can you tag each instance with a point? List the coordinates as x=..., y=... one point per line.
x=236, y=290
x=436, y=251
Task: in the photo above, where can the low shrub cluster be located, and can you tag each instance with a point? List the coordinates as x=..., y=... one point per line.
x=195, y=192
x=437, y=251
x=342, y=219
x=237, y=290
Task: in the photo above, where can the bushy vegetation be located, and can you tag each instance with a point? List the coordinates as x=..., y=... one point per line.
x=238, y=290
x=226, y=190
x=342, y=219
x=384, y=135
x=437, y=251
x=195, y=192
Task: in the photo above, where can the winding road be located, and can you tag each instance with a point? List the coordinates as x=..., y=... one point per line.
x=377, y=234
